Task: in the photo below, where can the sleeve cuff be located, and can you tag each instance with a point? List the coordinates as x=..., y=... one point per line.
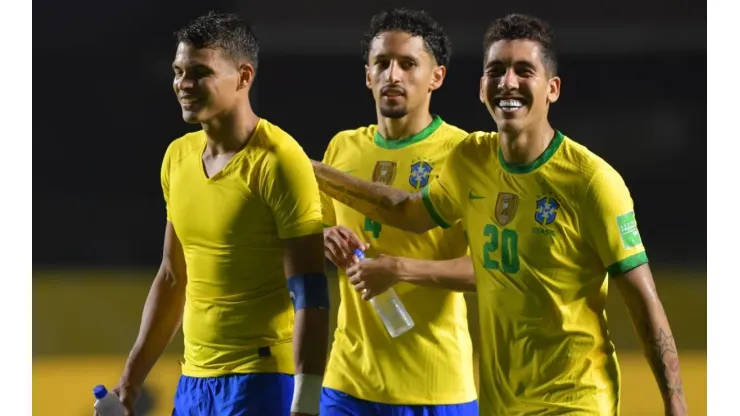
x=302, y=230
x=430, y=208
x=623, y=266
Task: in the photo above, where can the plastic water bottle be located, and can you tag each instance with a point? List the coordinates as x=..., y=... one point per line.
x=107, y=404
x=389, y=307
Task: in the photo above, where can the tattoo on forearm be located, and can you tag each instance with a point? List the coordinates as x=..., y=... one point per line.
x=664, y=360
x=371, y=202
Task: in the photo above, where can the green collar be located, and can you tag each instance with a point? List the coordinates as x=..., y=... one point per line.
x=380, y=141
x=529, y=167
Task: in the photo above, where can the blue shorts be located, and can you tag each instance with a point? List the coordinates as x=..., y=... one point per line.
x=234, y=395
x=334, y=402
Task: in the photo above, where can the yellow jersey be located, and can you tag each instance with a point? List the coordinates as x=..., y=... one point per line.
x=432, y=363
x=238, y=315
x=543, y=238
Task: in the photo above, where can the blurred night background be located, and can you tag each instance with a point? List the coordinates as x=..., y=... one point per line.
x=633, y=91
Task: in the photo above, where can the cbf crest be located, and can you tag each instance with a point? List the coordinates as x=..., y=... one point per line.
x=506, y=205
x=547, y=210
x=384, y=172
x=420, y=171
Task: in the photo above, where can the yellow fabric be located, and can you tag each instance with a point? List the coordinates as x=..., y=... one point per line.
x=230, y=226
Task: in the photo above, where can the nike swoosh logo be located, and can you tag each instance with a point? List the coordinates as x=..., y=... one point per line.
x=471, y=195
x=349, y=171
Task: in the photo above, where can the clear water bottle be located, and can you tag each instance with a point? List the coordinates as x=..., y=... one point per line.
x=389, y=307
x=107, y=404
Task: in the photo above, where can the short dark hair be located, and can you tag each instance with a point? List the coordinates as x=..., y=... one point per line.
x=222, y=30
x=520, y=26
x=415, y=23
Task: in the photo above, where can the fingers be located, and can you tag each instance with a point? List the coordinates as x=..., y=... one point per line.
x=334, y=255
x=360, y=287
x=342, y=242
x=334, y=251
x=368, y=294
x=352, y=239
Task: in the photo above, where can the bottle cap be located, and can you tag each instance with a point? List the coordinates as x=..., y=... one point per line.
x=359, y=253
x=100, y=391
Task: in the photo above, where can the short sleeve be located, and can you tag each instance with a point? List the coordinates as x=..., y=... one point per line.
x=441, y=196
x=327, y=211
x=164, y=177
x=611, y=226
x=292, y=193
x=327, y=202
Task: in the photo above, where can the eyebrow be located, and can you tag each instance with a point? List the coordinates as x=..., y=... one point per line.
x=193, y=66
x=516, y=63
x=387, y=55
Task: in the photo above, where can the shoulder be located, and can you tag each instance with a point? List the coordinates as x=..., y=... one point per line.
x=353, y=135
x=593, y=168
x=450, y=135
x=477, y=145
x=348, y=139
x=183, y=146
x=272, y=139
x=276, y=150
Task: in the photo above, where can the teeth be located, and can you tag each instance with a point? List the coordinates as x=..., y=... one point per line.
x=510, y=103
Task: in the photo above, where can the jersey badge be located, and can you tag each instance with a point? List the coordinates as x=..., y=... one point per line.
x=506, y=205
x=420, y=171
x=384, y=172
x=547, y=210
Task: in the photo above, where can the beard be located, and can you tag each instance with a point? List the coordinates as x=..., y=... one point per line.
x=393, y=112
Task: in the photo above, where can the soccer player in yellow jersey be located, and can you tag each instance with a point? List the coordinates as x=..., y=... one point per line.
x=547, y=221
x=428, y=370
x=243, y=215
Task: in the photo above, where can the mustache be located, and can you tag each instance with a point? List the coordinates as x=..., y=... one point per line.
x=393, y=88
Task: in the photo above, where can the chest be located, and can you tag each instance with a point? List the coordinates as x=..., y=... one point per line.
x=409, y=169
x=517, y=222
x=221, y=210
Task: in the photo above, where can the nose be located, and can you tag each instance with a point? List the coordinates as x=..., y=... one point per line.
x=395, y=72
x=183, y=83
x=509, y=81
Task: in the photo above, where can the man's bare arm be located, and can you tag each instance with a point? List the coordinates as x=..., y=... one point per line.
x=455, y=274
x=162, y=313
x=382, y=203
x=304, y=256
x=374, y=276
x=651, y=325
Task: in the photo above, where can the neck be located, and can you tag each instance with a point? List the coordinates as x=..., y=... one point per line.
x=229, y=132
x=523, y=147
x=404, y=127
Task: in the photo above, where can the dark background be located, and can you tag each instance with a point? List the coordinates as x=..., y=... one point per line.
x=633, y=90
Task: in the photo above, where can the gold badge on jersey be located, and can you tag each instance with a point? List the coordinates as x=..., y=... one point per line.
x=506, y=205
x=384, y=172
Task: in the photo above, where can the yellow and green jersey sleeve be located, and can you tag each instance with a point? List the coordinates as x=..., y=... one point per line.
x=610, y=223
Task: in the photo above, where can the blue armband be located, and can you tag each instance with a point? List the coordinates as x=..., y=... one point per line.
x=309, y=290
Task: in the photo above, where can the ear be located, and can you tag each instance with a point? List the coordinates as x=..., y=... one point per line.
x=553, y=92
x=481, y=94
x=246, y=75
x=438, y=77
x=368, y=82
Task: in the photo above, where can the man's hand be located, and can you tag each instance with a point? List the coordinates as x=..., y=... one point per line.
x=340, y=244
x=127, y=394
x=374, y=276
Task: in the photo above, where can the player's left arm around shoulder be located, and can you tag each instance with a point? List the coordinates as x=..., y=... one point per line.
x=303, y=263
x=651, y=325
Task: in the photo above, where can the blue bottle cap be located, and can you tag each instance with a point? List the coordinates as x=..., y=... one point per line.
x=359, y=253
x=100, y=391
